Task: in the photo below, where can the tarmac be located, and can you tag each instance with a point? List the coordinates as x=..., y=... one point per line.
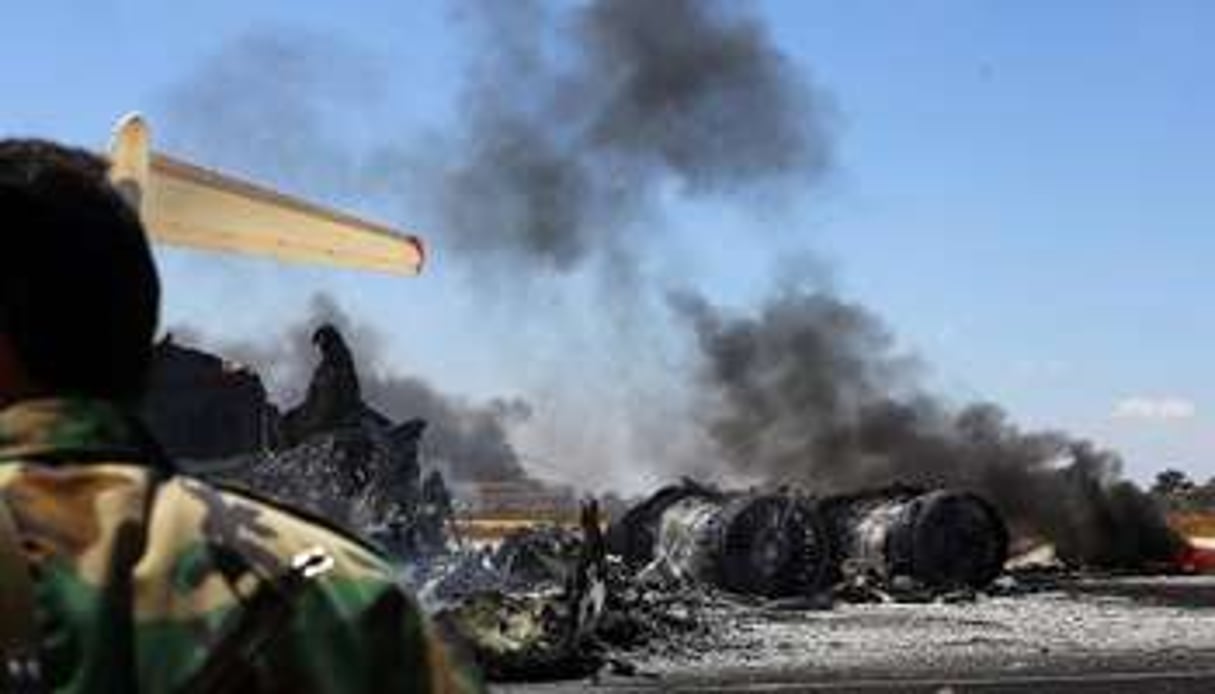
x=1095, y=634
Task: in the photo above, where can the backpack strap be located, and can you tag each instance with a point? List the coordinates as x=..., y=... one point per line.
x=19, y=643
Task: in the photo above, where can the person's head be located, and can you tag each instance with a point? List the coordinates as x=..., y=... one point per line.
x=79, y=293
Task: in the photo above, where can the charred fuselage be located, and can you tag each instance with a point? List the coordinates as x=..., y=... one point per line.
x=785, y=544
x=940, y=539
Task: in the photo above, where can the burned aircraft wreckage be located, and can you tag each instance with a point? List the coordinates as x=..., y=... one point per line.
x=786, y=544
x=551, y=601
x=558, y=601
x=338, y=457
x=332, y=455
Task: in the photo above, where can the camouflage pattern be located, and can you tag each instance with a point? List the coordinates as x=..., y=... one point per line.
x=141, y=573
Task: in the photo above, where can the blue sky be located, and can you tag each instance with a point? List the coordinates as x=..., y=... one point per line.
x=1024, y=191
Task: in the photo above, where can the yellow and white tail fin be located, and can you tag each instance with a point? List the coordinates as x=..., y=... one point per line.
x=187, y=205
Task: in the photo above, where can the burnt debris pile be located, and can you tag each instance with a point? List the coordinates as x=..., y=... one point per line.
x=786, y=544
x=333, y=454
x=555, y=602
x=567, y=601
x=772, y=544
x=532, y=607
x=908, y=539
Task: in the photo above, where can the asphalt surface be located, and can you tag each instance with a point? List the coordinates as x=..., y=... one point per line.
x=1082, y=635
x=1063, y=675
x=1094, y=681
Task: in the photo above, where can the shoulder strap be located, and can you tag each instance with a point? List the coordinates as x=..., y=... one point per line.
x=19, y=645
x=231, y=664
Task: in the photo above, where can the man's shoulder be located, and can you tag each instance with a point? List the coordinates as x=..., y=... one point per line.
x=353, y=618
x=265, y=533
x=211, y=566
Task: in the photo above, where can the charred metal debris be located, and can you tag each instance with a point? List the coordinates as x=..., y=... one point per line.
x=786, y=544
x=333, y=454
x=556, y=601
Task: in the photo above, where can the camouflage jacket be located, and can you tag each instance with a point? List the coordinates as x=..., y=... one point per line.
x=142, y=575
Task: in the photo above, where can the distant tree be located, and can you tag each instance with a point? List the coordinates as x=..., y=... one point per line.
x=1172, y=482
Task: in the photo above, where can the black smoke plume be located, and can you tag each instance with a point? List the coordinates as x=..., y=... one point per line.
x=571, y=120
x=576, y=119
x=813, y=391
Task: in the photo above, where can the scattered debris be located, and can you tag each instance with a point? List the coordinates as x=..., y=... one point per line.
x=537, y=617
x=689, y=570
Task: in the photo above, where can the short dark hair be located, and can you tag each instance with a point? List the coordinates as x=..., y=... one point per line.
x=79, y=293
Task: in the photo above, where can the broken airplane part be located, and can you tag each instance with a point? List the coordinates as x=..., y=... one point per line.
x=785, y=544
x=184, y=204
x=941, y=539
x=769, y=544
